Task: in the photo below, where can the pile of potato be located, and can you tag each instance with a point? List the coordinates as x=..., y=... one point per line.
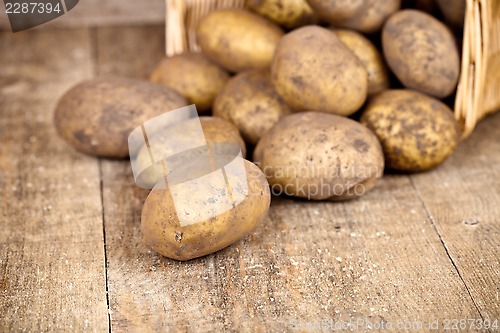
x=325, y=93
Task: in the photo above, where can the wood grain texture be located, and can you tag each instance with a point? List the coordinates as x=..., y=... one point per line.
x=52, y=274
x=462, y=197
x=378, y=258
x=133, y=52
x=93, y=13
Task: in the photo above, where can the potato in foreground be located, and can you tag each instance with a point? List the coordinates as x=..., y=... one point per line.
x=214, y=129
x=417, y=132
x=97, y=115
x=313, y=70
x=367, y=53
x=193, y=76
x=250, y=102
x=320, y=156
x=237, y=39
x=288, y=13
x=422, y=52
x=163, y=229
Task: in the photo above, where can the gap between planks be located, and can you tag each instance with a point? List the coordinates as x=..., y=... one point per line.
x=94, y=56
x=433, y=222
x=101, y=188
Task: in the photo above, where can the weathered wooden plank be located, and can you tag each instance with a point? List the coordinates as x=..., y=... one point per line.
x=372, y=259
x=92, y=13
x=378, y=259
x=134, y=52
x=52, y=274
x=463, y=199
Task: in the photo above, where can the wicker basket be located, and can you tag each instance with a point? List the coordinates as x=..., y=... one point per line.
x=478, y=91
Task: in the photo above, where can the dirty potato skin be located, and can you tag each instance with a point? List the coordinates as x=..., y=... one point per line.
x=163, y=232
x=421, y=51
x=250, y=102
x=97, y=115
x=417, y=132
x=320, y=156
x=313, y=70
x=220, y=130
x=215, y=130
x=335, y=10
x=193, y=76
x=287, y=13
x=367, y=53
x=237, y=39
x=371, y=18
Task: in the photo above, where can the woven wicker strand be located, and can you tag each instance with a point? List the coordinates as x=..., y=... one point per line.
x=478, y=91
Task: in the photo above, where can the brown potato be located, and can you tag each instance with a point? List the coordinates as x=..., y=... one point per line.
x=97, y=115
x=288, y=13
x=417, y=132
x=165, y=231
x=336, y=10
x=238, y=40
x=367, y=53
x=372, y=16
x=421, y=51
x=313, y=70
x=193, y=76
x=250, y=102
x=215, y=130
x=320, y=156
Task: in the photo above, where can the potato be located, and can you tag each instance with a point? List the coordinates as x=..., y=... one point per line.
x=211, y=226
x=215, y=130
x=250, y=102
x=220, y=130
x=421, y=51
x=288, y=13
x=193, y=76
x=453, y=11
x=313, y=70
x=320, y=156
x=238, y=40
x=371, y=18
x=335, y=10
x=97, y=115
x=367, y=53
x=417, y=132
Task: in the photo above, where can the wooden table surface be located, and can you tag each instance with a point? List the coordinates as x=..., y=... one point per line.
x=416, y=249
